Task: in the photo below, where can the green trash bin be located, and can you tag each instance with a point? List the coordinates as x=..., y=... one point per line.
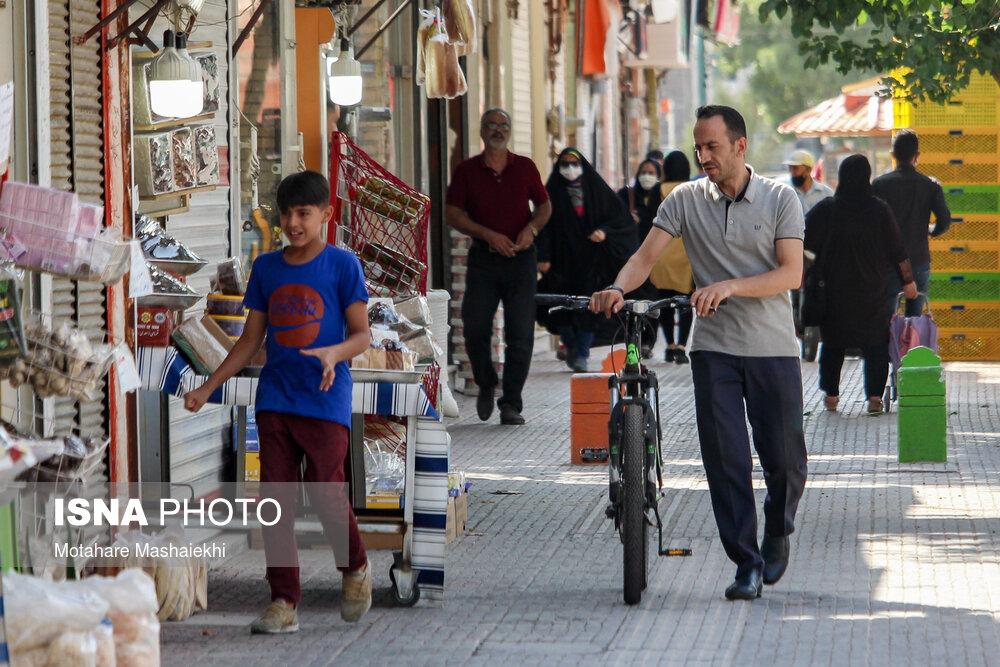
x=923, y=415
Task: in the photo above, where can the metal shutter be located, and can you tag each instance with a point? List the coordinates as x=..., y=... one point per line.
x=520, y=72
x=77, y=157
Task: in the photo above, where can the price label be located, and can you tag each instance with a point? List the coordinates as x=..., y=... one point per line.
x=140, y=283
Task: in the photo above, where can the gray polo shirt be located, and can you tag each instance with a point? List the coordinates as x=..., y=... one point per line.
x=737, y=243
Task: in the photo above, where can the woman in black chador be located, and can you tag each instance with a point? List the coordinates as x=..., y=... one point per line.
x=586, y=242
x=861, y=242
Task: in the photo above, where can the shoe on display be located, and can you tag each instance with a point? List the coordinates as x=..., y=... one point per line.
x=484, y=403
x=279, y=618
x=356, y=596
x=510, y=416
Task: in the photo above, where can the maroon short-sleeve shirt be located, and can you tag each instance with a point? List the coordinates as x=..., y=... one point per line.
x=497, y=201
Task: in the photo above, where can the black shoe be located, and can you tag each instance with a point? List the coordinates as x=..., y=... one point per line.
x=570, y=357
x=680, y=357
x=670, y=354
x=510, y=416
x=774, y=551
x=484, y=403
x=647, y=351
x=747, y=587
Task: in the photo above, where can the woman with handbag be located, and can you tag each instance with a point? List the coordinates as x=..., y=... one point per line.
x=857, y=243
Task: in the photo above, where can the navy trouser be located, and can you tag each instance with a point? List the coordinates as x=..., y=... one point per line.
x=490, y=279
x=768, y=390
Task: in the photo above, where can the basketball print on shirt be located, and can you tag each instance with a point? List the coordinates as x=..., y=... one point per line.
x=295, y=313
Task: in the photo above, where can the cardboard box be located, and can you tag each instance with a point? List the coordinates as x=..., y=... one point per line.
x=382, y=541
x=456, y=517
x=252, y=467
x=154, y=326
x=217, y=333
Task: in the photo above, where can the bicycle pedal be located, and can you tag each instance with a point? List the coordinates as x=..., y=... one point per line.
x=676, y=552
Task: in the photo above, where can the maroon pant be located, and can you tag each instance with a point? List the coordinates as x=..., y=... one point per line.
x=284, y=441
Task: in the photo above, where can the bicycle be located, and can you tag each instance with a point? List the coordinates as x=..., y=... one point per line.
x=634, y=438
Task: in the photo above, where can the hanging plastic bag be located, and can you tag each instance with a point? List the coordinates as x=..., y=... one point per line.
x=444, y=76
x=460, y=20
x=423, y=34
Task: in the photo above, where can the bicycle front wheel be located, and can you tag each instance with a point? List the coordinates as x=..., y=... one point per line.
x=633, y=525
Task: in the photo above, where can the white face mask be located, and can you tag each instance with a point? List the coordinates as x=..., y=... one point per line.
x=571, y=172
x=647, y=181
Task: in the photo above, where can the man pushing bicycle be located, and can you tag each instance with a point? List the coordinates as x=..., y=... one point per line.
x=743, y=235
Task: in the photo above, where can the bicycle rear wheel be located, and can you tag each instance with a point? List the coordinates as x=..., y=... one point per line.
x=633, y=525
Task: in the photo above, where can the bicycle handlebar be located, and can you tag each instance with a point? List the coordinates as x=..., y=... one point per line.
x=637, y=306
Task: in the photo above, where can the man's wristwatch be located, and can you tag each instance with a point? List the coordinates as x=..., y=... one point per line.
x=615, y=287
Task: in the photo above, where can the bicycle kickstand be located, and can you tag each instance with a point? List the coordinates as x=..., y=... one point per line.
x=659, y=529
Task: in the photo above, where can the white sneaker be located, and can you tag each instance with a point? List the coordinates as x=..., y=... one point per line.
x=356, y=596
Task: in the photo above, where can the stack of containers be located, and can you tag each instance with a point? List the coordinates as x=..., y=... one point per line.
x=589, y=414
x=228, y=312
x=960, y=146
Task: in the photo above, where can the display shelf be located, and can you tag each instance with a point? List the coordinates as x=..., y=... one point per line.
x=171, y=123
x=188, y=191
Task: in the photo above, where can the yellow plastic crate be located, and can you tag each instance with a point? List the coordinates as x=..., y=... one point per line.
x=971, y=227
x=970, y=256
x=958, y=345
x=960, y=142
x=959, y=112
x=981, y=84
x=970, y=315
x=950, y=168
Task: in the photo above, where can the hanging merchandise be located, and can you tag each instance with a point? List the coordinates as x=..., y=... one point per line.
x=423, y=34
x=460, y=19
x=443, y=76
x=11, y=328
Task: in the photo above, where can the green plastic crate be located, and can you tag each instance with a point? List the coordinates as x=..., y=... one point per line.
x=983, y=286
x=972, y=198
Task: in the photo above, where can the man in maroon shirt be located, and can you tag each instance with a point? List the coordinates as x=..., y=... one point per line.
x=488, y=200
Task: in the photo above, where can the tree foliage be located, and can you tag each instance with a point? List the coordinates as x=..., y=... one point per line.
x=940, y=44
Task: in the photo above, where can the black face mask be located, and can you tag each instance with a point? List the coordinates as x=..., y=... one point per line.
x=798, y=181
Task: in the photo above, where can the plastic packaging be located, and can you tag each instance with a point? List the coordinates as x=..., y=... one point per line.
x=51, y=623
x=132, y=609
x=231, y=324
x=230, y=275
x=185, y=166
x=206, y=353
x=11, y=326
x=460, y=20
x=225, y=304
x=443, y=75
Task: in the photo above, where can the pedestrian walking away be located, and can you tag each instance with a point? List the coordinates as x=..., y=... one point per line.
x=913, y=197
x=310, y=300
x=743, y=235
x=854, y=236
x=490, y=199
x=589, y=238
x=671, y=275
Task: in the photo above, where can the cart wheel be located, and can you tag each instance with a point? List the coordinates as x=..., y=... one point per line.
x=397, y=599
x=810, y=343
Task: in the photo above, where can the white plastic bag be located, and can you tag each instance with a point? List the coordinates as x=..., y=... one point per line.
x=132, y=608
x=460, y=20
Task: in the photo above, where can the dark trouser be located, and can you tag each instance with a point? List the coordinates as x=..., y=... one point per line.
x=768, y=390
x=921, y=276
x=577, y=340
x=684, y=319
x=491, y=279
x=285, y=440
x=831, y=360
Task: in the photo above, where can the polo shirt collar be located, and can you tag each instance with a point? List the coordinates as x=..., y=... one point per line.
x=482, y=159
x=749, y=191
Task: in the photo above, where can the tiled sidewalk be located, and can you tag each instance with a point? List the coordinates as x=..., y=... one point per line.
x=891, y=563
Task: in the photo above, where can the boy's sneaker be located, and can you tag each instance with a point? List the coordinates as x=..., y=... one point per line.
x=356, y=596
x=279, y=618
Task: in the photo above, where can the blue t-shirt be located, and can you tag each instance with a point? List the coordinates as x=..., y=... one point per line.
x=305, y=305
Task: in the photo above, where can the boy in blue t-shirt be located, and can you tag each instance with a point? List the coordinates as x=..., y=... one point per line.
x=311, y=301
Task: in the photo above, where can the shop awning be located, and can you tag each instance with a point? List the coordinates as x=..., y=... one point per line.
x=594, y=37
x=858, y=111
